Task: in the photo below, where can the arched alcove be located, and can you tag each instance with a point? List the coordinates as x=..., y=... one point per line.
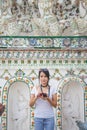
x=71, y=102
x=72, y=105
x=16, y=94
x=18, y=107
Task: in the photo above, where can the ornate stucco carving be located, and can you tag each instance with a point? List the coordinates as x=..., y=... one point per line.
x=43, y=18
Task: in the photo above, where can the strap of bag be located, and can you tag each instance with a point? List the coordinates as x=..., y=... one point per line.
x=48, y=89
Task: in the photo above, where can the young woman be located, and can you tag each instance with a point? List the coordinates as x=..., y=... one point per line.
x=44, y=97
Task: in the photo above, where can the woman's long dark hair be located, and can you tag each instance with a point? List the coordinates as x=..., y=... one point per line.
x=45, y=71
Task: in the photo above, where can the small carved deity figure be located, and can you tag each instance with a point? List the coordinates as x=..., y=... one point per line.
x=47, y=22
x=83, y=9
x=79, y=23
x=15, y=9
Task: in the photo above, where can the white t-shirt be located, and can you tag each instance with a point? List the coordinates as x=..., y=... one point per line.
x=43, y=109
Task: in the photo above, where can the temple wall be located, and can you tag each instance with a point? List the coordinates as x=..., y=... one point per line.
x=38, y=34
x=19, y=67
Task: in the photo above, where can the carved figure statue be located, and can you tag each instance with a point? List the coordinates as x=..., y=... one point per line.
x=47, y=23
x=83, y=9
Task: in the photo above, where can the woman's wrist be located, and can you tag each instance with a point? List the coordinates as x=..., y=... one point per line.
x=51, y=102
x=48, y=99
x=35, y=98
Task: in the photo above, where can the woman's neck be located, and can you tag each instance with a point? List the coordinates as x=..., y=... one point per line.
x=44, y=86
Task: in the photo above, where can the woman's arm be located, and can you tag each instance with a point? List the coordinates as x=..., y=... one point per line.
x=53, y=101
x=33, y=99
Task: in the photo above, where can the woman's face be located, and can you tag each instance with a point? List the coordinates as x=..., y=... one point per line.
x=43, y=79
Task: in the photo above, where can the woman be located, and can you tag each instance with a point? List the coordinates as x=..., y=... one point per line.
x=2, y=108
x=44, y=97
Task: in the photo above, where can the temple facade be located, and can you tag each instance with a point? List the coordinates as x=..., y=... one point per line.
x=20, y=60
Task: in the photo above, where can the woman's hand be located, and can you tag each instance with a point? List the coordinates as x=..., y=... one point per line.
x=33, y=99
x=39, y=95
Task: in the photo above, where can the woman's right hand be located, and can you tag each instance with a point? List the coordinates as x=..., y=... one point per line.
x=39, y=95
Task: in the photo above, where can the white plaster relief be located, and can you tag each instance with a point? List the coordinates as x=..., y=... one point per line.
x=72, y=105
x=18, y=107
